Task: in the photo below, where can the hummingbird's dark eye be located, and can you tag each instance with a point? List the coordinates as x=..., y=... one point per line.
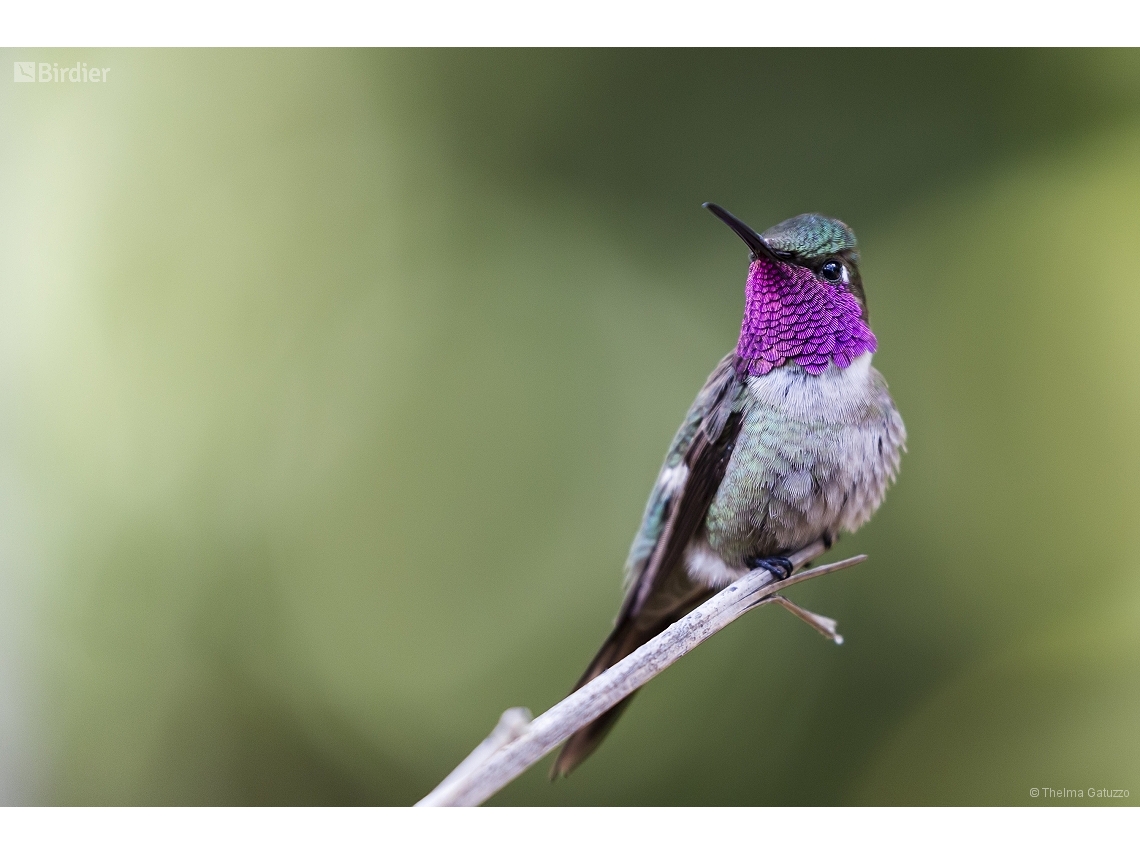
x=832, y=271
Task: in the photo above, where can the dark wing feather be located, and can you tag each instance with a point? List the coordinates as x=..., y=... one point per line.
x=660, y=591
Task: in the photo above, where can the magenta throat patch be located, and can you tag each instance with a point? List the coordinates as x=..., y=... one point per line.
x=791, y=314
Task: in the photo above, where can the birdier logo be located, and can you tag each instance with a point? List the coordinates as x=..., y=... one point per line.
x=51, y=72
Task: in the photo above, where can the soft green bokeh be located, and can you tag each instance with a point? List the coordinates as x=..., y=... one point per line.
x=332, y=384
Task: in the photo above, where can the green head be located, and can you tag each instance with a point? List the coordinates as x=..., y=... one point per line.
x=824, y=245
x=804, y=296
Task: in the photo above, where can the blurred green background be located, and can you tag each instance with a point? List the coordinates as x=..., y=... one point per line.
x=333, y=383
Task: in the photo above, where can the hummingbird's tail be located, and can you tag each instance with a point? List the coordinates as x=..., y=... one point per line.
x=625, y=638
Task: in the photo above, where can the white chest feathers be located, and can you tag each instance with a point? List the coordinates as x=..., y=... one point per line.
x=836, y=392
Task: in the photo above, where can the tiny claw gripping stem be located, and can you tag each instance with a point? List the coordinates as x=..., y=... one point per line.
x=780, y=568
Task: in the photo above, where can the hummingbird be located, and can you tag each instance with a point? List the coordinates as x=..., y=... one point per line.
x=793, y=439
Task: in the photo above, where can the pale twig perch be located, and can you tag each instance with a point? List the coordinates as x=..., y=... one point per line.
x=517, y=743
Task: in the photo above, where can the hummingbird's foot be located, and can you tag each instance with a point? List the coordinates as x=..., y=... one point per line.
x=779, y=567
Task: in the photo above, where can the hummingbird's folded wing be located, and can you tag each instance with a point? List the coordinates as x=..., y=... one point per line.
x=684, y=489
x=659, y=590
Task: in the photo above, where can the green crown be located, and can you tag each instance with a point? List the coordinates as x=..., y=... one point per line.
x=810, y=236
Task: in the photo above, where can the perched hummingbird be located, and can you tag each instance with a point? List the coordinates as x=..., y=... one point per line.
x=793, y=439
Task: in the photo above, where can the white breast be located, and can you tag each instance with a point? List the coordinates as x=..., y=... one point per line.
x=804, y=396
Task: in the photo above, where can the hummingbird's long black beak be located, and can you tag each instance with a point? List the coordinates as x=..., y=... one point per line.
x=755, y=241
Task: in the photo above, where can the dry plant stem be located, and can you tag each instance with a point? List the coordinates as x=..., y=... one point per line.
x=486, y=772
x=512, y=724
x=825, y=626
